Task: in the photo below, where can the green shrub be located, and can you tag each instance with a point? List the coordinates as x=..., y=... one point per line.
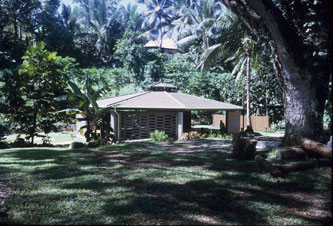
x=158, y=136
x=219, y=135
x=280, y=125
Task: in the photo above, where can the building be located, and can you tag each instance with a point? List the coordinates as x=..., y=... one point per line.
x=161, y=107
x=167, y=46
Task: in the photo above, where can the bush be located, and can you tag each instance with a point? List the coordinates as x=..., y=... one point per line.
x=158, y=136
x=280, y=125
x=219, y=135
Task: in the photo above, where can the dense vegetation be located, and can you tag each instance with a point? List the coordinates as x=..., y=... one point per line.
x=105, y=40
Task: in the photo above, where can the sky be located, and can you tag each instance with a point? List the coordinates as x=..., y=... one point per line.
x=122, y=2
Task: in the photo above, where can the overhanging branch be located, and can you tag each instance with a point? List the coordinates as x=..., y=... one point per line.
x=249, y=17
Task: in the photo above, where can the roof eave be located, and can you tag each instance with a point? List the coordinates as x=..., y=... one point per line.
x=179, y=109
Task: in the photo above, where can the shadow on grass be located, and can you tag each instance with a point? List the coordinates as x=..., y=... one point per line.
x=146, y=183
x=199, y=202
x=227, y=199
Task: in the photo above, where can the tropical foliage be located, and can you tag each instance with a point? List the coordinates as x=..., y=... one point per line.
x=36, y=91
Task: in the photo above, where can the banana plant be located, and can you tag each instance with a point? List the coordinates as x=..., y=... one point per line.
x=87, y=105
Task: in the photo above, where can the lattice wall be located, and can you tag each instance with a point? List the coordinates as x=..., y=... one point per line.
x=138, y=125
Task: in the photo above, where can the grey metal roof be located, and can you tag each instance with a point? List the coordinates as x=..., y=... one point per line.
x=160, y=86
x=164, y=100
x=166, y=44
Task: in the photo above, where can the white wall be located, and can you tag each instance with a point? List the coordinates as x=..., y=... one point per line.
x=233, y=122
x=180, y=125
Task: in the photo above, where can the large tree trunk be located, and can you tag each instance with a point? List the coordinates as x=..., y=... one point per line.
x=303, y=110
x=304, y=77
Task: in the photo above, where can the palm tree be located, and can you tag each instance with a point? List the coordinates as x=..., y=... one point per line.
x=158, y=16
x=96, y=17
x=132, y=18
x=248, y=45
x=242, y=57
x=199, y=20
x=69, y=17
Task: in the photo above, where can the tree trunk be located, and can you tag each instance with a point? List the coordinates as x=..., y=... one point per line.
x=15, y=28
x=303, y=111
x=304, y=77
x=277, y=170
x=263, y=164
x=248, y=79
x=266, y=104
x=32, y=132
x=316, y=147
x=294, y=152
x=303, y=165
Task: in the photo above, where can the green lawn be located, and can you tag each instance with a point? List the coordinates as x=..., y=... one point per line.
x=147, y=183
x=214, y=128
x=56, y=138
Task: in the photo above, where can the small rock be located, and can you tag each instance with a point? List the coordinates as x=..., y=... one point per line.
x=93, y=144
x=76, y=145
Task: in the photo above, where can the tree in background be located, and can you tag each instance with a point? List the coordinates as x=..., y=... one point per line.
x=17, y=18
x=299, y=30
x=134, y=57
x=70, y=18
x=98, y=19
x=131, y=18
x=52, y=31
x=199, y=23
x=36, y=91
x=158, y=17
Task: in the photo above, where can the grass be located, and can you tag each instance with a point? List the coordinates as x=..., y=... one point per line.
x=214, y=128
x=148, y=183
x=268, y=133
x=56, y=138
x=206, y=127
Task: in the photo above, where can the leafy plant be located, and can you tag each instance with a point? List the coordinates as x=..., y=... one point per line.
x=158, y=136
x=280, y=125
x=36, y=91
x=88, y=107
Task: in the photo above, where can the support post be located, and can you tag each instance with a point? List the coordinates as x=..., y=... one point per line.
x=180, y=125
x=233, y=122
x=113, y=123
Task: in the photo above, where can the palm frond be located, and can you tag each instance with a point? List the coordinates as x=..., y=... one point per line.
x=233, y=57
x=210, y=56
x=241, y=71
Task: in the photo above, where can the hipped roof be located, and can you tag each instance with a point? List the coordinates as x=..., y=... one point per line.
x=166, y=44
x=163, y=100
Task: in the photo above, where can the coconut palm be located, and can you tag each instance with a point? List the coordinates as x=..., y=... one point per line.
x=131, y=17
x=199, y=20
x=96, y=17
x=242, y=57
x=158, y=16
x=69, y=17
